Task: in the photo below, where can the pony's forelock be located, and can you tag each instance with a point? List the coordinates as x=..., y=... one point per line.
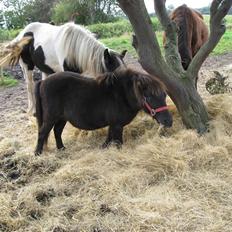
x=151, y=83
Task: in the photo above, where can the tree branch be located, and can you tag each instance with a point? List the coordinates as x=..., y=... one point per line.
x=147, y=45
x=171, y=49
x=218, y=10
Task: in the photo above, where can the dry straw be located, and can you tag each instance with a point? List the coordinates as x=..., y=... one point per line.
x=176, y=182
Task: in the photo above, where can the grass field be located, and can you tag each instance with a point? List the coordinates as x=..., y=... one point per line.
x=124, y=42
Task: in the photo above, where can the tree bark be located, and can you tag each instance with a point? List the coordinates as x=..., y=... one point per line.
x=179, y=83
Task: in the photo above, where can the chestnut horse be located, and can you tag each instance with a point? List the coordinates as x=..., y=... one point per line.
x=192, y=32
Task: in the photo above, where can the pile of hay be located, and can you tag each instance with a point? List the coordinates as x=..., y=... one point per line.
x=180, y=182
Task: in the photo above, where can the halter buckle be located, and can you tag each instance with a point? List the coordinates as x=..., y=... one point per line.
x=153, y=112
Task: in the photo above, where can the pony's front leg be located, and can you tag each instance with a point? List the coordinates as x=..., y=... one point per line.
x=114, y=136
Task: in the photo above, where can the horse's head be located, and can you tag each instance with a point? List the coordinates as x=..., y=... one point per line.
x=153, y=99
x=112, y=59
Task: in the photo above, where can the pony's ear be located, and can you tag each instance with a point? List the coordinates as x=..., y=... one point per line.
x=106, y=54
x=123, y=53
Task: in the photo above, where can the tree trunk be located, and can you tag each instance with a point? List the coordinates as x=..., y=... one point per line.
x=189, y=104
x=180, y=84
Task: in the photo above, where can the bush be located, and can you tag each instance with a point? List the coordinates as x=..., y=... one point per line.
x=8, y=80
x=6, y=35
x=156, y=24
x=108, y=30
x=102, y=30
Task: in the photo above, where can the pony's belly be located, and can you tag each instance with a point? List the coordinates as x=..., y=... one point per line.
x=88, y=125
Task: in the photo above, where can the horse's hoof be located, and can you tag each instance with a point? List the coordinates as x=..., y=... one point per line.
x=62, y=148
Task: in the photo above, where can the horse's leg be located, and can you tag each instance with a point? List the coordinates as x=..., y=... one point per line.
x=42, y=137
x=115, y=136
x=58, y=129
x=28, y=75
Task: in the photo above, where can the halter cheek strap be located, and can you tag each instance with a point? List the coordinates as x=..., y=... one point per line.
x=152, y=111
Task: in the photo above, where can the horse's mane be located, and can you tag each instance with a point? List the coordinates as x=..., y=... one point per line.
x=140, y=80
x=81, y=49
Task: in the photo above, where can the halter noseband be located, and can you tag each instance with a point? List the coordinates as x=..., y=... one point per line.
x=152, y=111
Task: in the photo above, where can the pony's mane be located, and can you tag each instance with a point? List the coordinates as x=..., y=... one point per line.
x=81, y=49
x=138, y=78
x=151, y=83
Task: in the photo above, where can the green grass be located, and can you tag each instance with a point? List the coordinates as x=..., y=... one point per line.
x=8, y=81
x=224, y=45
x=124, y=42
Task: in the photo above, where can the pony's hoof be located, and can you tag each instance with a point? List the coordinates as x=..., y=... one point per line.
x=38, y=153
x=105, y=145
x=62, y=148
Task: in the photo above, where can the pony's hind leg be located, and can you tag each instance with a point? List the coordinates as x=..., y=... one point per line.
x=28, y=75
x=58, y=129
x=42, y=137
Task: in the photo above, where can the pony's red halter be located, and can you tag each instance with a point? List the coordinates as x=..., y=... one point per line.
x=152, y=111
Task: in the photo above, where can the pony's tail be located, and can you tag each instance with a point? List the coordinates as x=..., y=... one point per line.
x=39, y=109
x=10, y=54
x=38, y=105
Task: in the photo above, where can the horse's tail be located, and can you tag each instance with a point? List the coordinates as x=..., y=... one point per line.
x=38, y=105
x=183, y=20
x=10, y=54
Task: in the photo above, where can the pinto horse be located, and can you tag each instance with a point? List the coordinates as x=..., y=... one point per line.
x=192, y=32
x=113, y=99
x=68, y=47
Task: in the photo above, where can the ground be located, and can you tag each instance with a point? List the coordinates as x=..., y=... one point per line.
x=179, y=182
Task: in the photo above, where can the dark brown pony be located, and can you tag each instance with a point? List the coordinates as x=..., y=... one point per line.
x=112, y=100
x=192, y=32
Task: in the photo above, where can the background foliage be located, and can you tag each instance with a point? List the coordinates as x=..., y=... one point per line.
x=17, y=14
